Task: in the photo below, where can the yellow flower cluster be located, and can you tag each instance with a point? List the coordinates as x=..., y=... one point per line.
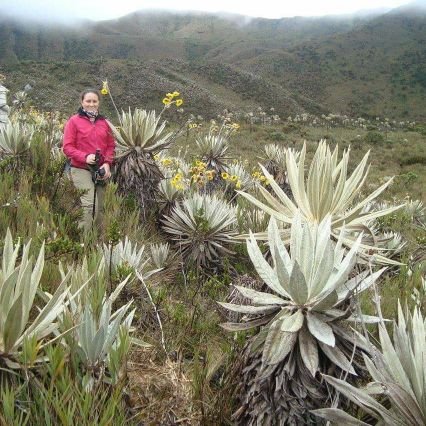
x=232, y=178
x=200, y=175
x=199, y=167
x=170, y=99
x=177, y=181
x=233, y=126
x=105, y=88
x=194, y=125
x=165, y=161
x=260, y=177
x=210, y=174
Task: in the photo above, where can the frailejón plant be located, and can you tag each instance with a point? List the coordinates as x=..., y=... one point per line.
x=15, y=139
x=327, y=191
x=303, y=319
x=139, y=138
x=124, y=253
x=399, y=373
x=213, y=149
x=19, y=285
x=202, y=226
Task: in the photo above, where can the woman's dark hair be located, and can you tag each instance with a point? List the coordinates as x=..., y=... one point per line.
x=86, y=91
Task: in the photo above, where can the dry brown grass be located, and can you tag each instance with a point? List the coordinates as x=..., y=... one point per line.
x=160, y=394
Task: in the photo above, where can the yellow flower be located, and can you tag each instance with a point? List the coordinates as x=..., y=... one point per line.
x=175, y=94
x=156, y=157
x=105, y=90
x=166, y=101
x=234, y=178
x=225, y=176
x=166, y=161
x=178, y=177
x=176, y=184
x=238, y=185
x=262, y=178
x=169, y=95
x=179, y=102
x=210, y=174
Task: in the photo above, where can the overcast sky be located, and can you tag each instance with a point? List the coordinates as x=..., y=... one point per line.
x=64, y=10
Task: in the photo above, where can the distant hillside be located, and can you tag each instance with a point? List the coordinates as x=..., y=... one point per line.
x=366, y=65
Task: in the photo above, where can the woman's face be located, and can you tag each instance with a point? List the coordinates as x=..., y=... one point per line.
x=90, y=102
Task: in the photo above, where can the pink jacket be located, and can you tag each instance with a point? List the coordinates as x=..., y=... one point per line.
x=82, y=137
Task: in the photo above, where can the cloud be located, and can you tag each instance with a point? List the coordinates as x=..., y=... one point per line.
x=65, y=11
x=41, y=11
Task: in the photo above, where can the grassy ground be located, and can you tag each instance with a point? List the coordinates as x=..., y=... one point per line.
x=184, y=377
x=394, y=153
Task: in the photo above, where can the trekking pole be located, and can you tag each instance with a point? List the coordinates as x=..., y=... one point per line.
x=95, y=183
x=94, y=203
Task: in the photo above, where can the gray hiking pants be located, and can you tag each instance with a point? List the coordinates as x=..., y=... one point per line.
x=82, y=180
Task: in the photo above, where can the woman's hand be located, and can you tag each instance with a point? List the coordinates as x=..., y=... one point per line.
x=91, y=159
x=107, y=169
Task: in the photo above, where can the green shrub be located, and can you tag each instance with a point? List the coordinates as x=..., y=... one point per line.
x=374, y=137
x=276, y=136
x=420, y=128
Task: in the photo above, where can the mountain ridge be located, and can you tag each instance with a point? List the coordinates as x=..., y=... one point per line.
x=359, y=65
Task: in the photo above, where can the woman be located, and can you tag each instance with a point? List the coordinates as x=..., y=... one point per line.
x=85, y=134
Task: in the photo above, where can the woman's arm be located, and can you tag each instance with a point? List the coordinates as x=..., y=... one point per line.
x=69, y=145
